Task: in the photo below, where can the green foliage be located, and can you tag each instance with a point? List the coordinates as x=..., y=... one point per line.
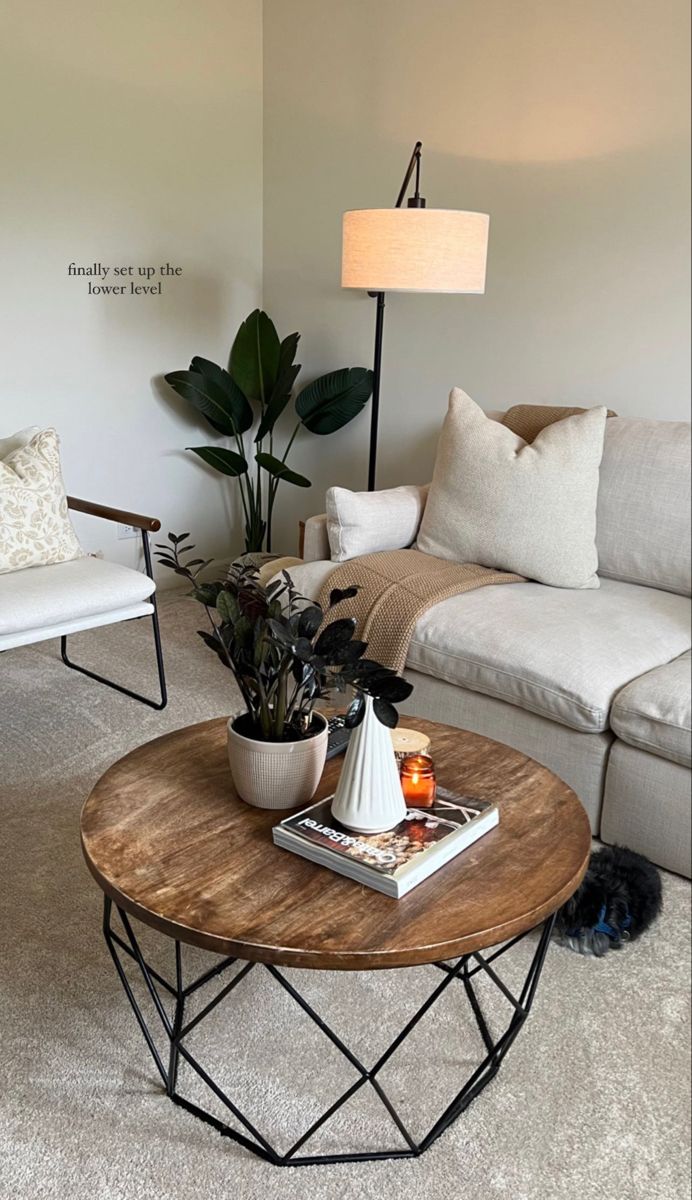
x=280, y=651
x=255, y=357
x=278, y=470
x=225, y=461
x=258, y=386
x=212, y=391
x=330, y=402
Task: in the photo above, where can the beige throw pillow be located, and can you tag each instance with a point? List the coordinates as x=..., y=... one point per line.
x=35, y=528
x=530, y=509
x=365, y=522
x=10, y=444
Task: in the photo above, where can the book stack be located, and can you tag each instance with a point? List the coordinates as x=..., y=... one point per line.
x=395, y=861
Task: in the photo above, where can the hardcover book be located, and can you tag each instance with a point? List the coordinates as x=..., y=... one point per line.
x=395, y=861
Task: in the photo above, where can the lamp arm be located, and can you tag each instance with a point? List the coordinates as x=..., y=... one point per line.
x=415, y=162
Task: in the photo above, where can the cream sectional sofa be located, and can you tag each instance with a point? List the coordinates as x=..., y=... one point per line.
x=593, y=683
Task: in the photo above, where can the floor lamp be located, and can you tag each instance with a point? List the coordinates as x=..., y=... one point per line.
x=412, y=249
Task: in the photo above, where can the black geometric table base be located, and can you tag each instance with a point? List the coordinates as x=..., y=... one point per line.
x=244, y=1132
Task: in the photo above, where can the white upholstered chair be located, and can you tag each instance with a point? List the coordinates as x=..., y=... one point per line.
x=38, y=603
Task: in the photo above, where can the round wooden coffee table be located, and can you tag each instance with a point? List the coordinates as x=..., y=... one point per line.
x=170, y=844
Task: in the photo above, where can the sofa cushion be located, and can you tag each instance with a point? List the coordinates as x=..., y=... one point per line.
x=646, y=806
x=529, y=509
x=654, y=712
x=42, y=596
x=578, y=758
x=643, y=518
x=562, y=654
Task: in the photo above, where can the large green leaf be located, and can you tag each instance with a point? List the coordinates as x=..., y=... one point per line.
x=255, y=356
x=204, y=396
x=287, y=351
x=216, y=396
x=280, y=398
x=285, y=379
x=276, y=468
x=225, y=461
x=238, y=405
x=330, y=402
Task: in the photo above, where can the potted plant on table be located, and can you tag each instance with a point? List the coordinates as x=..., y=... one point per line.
x=284, y=658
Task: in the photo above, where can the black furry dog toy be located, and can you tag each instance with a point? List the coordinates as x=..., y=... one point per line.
x=618, y=898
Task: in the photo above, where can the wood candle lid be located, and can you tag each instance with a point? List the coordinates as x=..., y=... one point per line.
x=408, y=741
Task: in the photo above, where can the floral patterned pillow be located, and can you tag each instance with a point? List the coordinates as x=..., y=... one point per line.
x=35, y=528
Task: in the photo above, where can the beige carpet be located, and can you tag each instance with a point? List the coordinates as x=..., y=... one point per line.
x=592, y=1102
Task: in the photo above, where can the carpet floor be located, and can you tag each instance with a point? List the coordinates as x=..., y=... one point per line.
x=592, y=1102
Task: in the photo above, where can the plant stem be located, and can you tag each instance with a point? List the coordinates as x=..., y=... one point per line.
x=280, y=706
x=270, y=498
x=274, y=487
x=291, y=440
x=258, y=496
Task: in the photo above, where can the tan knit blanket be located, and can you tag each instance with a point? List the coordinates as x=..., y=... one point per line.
x=396, y=588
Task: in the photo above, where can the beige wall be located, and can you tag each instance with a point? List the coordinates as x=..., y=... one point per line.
x=130, y=132
x=567, y=122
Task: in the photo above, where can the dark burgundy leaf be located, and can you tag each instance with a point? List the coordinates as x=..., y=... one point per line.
x=300, y=671
x=252, y=603
x=355, y=713
x=368, y=666
x=336, y=635
x=356, y=649
x=339, y=594
x=309, y=621
x=302, y=649
x=385, y=712
x=394, y=690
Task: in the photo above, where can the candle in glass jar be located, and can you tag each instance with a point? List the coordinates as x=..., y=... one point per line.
x=418, y=781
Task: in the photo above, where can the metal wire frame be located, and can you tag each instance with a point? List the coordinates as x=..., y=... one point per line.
x=245, y=1132
x=117, y=687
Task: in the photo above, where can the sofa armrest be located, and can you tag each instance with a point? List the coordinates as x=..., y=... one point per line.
x=315, y=539
x=150, y=524
x=308, y=577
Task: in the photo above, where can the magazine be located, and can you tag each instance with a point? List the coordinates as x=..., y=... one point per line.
x=397, y=860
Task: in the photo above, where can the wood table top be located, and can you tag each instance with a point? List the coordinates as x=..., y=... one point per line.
x=166, y=837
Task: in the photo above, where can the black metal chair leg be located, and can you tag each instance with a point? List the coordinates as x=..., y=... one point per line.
x=157, y=704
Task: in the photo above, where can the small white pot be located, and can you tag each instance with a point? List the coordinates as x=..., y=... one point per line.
x=277, y=774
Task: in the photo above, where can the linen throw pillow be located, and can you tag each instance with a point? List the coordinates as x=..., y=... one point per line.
x=530, y=509
x=365, y=522
x=35, y=528
x=8, y=445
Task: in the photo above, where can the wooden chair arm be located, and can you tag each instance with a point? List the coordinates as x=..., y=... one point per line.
x=151, y=524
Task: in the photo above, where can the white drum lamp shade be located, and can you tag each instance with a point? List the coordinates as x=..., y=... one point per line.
x=414, y=250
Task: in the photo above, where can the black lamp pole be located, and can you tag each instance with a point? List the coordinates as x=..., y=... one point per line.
x=415, y=201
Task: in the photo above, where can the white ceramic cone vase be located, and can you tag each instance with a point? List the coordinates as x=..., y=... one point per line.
x=368, y=798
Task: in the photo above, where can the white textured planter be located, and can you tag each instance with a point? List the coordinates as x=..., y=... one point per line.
x=277, y=774
x=368, y=798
